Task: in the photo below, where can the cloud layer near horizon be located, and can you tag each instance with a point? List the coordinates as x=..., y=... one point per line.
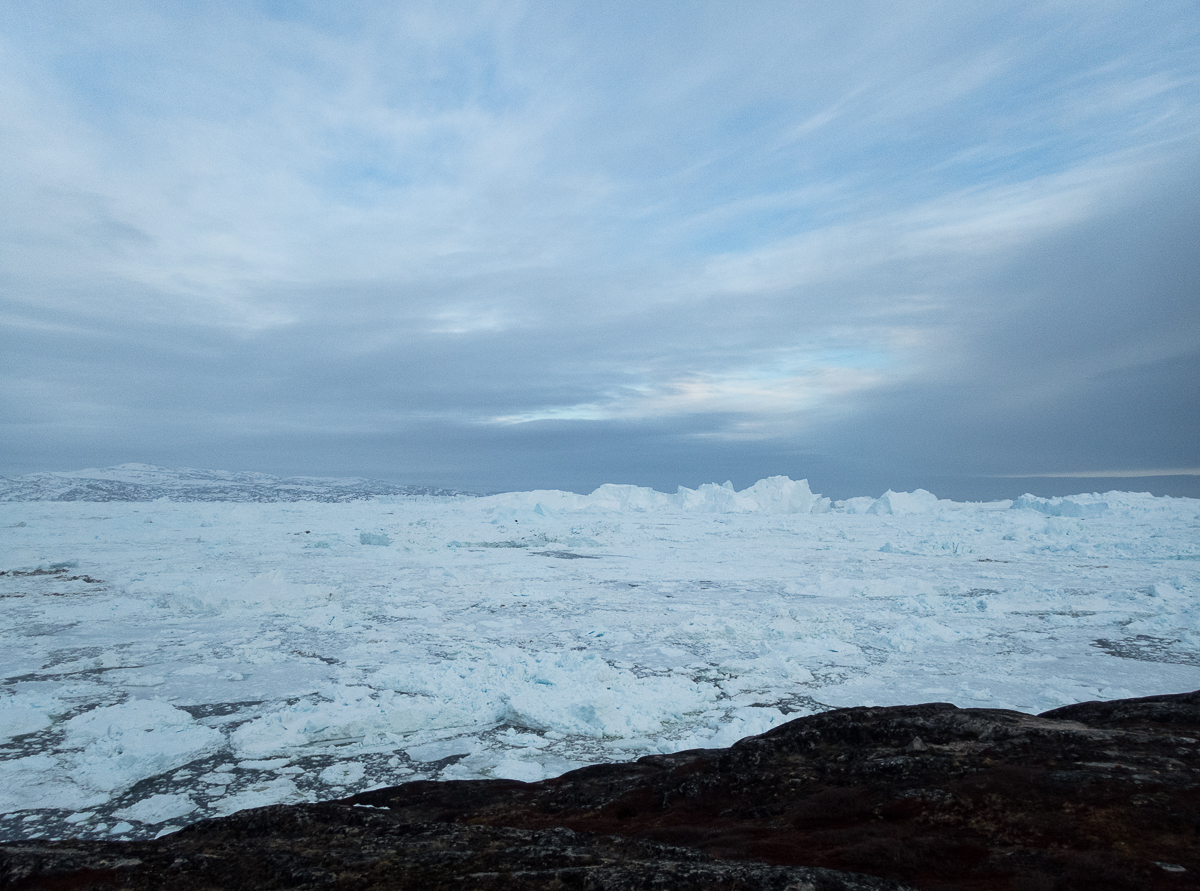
x=518, y=245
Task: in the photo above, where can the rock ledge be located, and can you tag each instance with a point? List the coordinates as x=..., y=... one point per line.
x=1091, y=796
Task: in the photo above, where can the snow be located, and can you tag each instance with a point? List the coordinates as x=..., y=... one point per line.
x=164, y=661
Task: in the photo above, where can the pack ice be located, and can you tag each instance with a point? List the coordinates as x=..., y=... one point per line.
x=168, y=660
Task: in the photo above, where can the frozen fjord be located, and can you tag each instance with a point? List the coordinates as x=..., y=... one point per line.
x=164, y=661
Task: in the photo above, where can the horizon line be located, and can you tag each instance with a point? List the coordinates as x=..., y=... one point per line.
x=1099, y=474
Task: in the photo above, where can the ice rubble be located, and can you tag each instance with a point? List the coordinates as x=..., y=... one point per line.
x=106, y=751
x=223, y=656
x=23, y=713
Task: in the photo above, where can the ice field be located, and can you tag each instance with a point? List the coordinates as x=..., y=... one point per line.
x=164, y=661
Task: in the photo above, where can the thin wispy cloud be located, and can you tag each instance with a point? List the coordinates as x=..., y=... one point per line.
x=1109, y=474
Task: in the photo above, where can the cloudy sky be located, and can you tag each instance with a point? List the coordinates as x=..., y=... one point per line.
x=551, y=244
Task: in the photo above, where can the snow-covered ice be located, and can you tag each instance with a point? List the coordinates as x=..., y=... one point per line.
x=162, y=661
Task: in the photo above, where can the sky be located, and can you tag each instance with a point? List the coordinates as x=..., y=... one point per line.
x=506, y=246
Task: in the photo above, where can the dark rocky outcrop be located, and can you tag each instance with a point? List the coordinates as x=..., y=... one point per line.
x=335, y=846
x=1091, y=796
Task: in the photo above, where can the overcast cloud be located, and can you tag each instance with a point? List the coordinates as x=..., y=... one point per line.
x=522, y=245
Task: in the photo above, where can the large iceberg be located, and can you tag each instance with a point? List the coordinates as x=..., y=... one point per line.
x=774, y=495
x=1061, y=507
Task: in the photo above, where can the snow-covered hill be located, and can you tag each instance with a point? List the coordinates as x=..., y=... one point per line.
x=146, y=482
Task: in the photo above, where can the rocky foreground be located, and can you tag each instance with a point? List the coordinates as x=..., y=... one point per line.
x=1091, y=796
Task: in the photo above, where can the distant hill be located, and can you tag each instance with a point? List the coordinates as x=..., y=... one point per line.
x=146, y=482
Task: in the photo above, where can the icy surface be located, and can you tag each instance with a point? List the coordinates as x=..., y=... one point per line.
x=169, y=660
